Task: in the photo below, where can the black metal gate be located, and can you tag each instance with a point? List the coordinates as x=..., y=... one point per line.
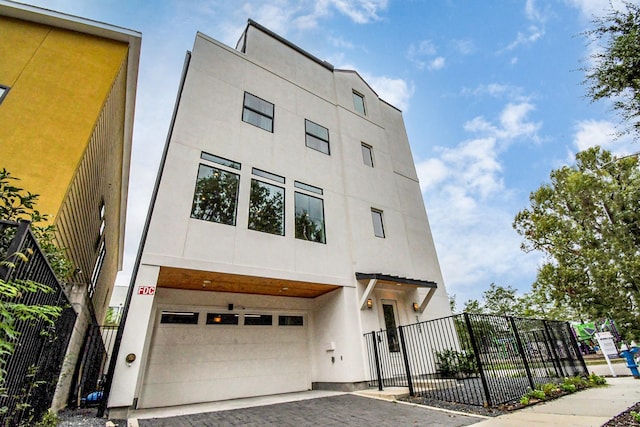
x=89, y=377
x=32, y=371
x=474, y=359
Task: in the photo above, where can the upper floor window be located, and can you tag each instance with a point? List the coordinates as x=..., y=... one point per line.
x=216, y=195
x=309, y=218
x=378, y=226
x=316, y=136
x=266, y=208
x=257, y=112
x=3, y=92
x=367, y=154
x=358, y=103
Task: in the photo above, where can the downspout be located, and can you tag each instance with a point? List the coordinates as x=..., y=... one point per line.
x=143, y=238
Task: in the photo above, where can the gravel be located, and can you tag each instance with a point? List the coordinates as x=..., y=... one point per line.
x=85, y=417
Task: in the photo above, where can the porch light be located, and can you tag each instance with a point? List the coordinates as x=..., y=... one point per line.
x=369, y=303
x=416, y=307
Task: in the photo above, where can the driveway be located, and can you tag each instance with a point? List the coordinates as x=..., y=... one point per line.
x=341, y=410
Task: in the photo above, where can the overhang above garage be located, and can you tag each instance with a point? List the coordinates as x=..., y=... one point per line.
x=198, y=280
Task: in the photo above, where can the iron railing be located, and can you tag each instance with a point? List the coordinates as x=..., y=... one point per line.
x=472, y=358
x=32, y=371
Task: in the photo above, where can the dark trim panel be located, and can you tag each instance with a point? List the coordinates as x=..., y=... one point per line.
x=396, y=279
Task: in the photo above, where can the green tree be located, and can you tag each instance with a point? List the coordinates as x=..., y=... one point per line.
x=473, y=306
x=615, y=72
x=587, y=223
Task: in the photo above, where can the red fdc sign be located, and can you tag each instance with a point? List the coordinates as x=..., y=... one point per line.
x=146, y=290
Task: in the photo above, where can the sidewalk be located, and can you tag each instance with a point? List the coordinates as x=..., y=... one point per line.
x=592, y=407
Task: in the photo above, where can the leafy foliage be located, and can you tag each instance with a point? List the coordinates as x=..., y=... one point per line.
x=616, y=70
x=587, y=222
x=450, y=363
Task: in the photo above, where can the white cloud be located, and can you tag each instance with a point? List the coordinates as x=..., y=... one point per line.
x=397, y=92
x=418, y=53
x=534, y=31
x=478, y=244
x=437, y=63
x=589, y=133
x=592, y=8
x=465, y=47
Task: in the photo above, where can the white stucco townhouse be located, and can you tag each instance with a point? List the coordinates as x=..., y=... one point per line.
x=287, y=221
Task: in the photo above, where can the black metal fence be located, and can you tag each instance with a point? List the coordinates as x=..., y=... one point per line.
x=91, y=370
x=32, y=371
x=473, y=358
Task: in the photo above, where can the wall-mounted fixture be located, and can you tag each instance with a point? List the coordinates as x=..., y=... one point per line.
x=230, y=307
x=416, y=307
x=369, y=303
x=130, y=358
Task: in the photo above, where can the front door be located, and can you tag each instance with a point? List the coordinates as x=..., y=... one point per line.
x=389, y=310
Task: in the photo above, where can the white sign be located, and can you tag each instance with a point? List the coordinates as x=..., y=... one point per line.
x=608, y=348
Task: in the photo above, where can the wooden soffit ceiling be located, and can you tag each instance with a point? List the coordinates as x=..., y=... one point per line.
x=197, y=280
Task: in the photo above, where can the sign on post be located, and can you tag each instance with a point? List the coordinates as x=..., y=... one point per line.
x=608, y=348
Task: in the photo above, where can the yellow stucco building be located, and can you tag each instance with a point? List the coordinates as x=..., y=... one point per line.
x=67, y=97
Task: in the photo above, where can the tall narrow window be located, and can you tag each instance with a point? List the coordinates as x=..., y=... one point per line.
x=257, y=112
x=367, y=154
x=378, y=226
x=309, y=218
x=266, y=208
x=358, y=103
x=3, y=92
x=316, y=136
x=216, y=195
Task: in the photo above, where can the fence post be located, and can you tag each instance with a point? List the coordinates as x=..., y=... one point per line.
x=405, y=357
x=521, y=351
x=476, y=352
x=374, y=338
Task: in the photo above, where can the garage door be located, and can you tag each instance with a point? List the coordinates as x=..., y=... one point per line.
x=204, y=356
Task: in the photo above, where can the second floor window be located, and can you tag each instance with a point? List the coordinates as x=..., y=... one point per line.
x=309, y=214
x=257, y=112
x=266, y=208
x=216, y=195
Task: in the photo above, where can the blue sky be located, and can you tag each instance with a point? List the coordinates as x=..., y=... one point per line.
x=490, y=92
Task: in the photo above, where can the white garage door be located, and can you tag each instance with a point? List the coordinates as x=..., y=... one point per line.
x=200, y=356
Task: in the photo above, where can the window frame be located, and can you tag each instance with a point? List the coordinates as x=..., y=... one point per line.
x=193, y=316
x=309, y=134
x=369, y=149
x=4, y=90
x=253, y=110
x=359, y=96
x=284, y=207
x=377, y=213
x=237, y=194
x=324, y=222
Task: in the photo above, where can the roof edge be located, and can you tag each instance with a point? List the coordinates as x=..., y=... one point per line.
x=396, y=279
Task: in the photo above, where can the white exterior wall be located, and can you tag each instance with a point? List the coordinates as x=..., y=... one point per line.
x=209, y=118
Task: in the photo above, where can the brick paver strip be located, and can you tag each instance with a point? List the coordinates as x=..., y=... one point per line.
x=343, y=410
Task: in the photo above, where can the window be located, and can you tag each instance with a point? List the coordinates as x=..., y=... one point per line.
x=309, y=218
x=3, y=92
x=316, y=136
x=222, y=319
x=266, y=208
x=307, y=187
x=378, y=227
x=97, y=268
x=257, y=112
x=216, y=195
x=290, y=321
x=367, y=154
x=358, y=103
x=220, y=160
x=179, y=317
x=258, y=319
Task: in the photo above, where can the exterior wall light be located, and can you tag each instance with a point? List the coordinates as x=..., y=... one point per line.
x=369, y=303
x=416, y=307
